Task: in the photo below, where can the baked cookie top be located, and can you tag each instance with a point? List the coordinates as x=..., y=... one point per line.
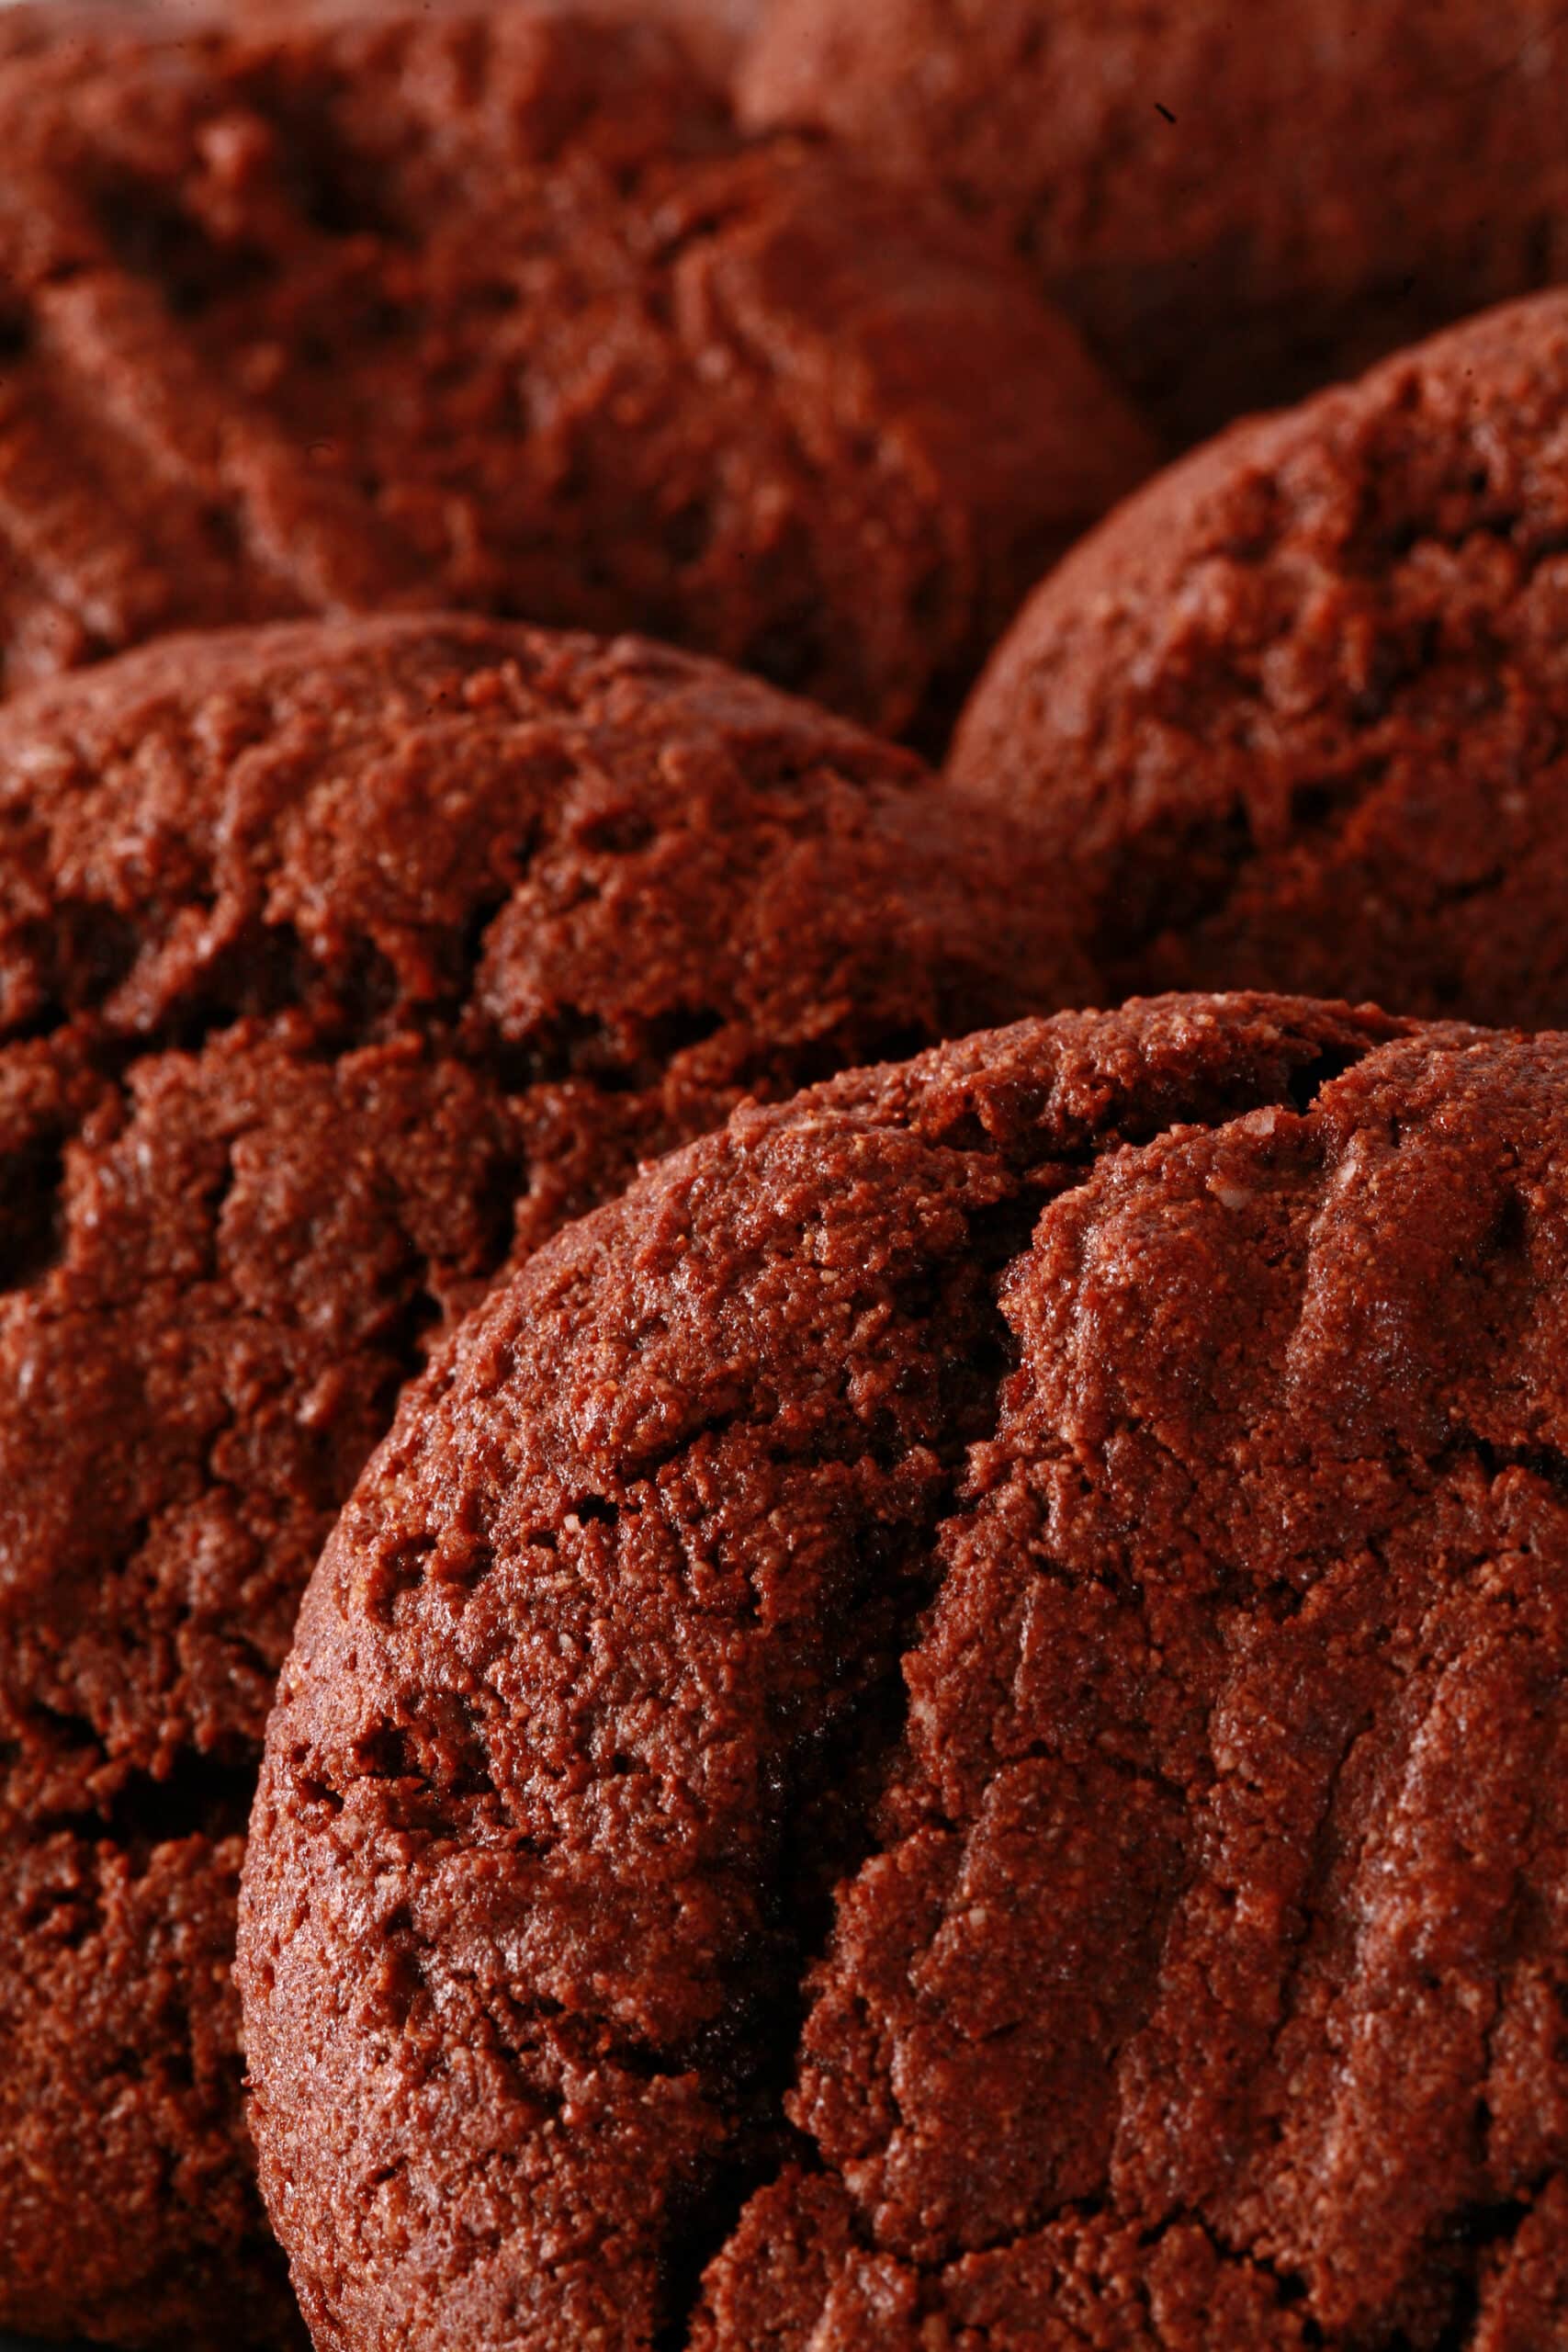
x=499, y=310
x=1294, y=717
x=946, y=1727
x=1235, y=204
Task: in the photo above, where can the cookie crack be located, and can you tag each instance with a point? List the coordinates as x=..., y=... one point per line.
x=1234, y=841
x=1540, y=1458
x=1302, y=1084
x=802, y=1891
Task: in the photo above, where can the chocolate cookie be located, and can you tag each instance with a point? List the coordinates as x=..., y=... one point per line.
x=339, y=963
x=946, y=1727
x=1295, y=718
x=1235, y=204
x=501, y=312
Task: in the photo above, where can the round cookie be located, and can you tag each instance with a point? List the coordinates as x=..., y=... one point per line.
x=1235, y=204
x=339, y=963
x=946, y=1727
x=500, y=311
x=1294, y=717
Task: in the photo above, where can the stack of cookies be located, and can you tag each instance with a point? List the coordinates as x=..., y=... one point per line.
x=783, y=1176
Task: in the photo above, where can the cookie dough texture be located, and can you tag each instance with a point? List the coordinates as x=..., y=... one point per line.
x=1236, y=203
x=500, y=311
x=946, y=1727
x=1295, y=718
x=339, y=963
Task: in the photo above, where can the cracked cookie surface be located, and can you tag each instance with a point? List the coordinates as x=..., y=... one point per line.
x=945, y=1727
x=499, y=310
x=1295, y=716
x=339, y=963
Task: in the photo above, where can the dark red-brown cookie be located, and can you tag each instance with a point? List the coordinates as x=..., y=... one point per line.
x=1296, y=717
x=339, y=963
x=947, y=1728
x=499, y=310
x=1236, y=203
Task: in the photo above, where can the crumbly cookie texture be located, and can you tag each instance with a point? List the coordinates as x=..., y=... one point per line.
x=339, y=963
x=945, y=1728
x=499, y=310
x=1295, y=716
x=1235, y=204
